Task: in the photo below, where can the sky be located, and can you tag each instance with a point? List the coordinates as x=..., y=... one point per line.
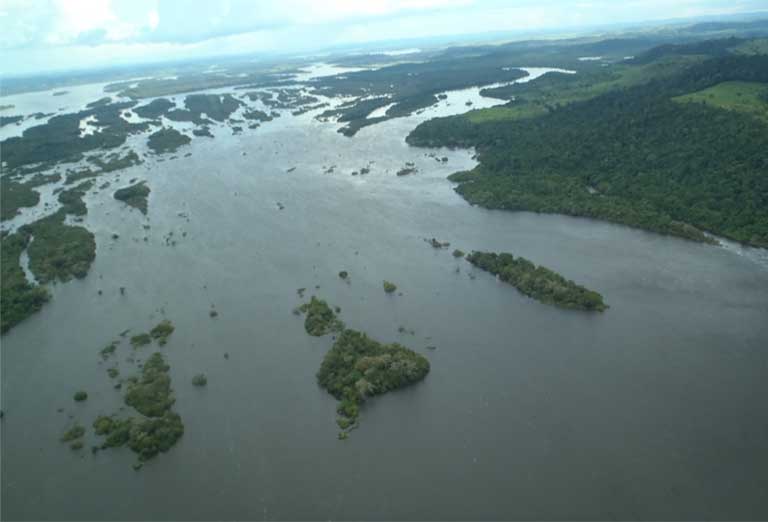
x=47, y=35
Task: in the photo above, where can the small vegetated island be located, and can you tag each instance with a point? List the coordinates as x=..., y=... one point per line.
x=358, y=367
x=538, y=282
x=155, y=428
x=320, y=318
x=134, y=195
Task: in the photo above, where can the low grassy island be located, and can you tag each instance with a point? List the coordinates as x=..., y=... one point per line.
x=358, y=367
x=321, y=319
x=389, y=287
x=80, y=396
x=538, y=282
x=134, y=195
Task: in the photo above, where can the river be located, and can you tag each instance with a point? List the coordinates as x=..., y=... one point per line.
x=653, y=410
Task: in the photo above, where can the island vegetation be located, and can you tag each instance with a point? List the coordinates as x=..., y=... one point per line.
x=162, y=331
x=538, y=282
x=652, y=154
x=80, y=396
x=134, y=195
x=321, y=319
x=358, y=367
x=19, y=298
x=151, y=394
x=159, y=428
x=167, y=140
x=389, y=287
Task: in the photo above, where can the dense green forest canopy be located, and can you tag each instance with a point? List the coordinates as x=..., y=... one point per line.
x=358, y=367
x=539, y=282
x=630, y=155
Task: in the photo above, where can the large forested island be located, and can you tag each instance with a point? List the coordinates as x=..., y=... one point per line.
x=672, y=141
x=538, y=282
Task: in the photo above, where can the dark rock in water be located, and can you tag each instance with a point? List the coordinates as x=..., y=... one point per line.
x=2, y=414
x=226, y=355
x=122, y=290
x=343, y=274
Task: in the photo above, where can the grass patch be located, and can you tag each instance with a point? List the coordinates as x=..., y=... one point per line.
x=746, y=97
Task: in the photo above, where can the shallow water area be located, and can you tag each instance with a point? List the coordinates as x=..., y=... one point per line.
x=529, y=411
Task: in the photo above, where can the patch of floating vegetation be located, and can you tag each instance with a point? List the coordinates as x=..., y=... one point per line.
x=358, y=367
x=321, y=319
x=458, y=253
x=437, y=244
x=109, y=350
x=134, y=195
x=74, y=436
x=167, y=140
x=344, y=274
x=80, y=396
x=162, y=332
x=113, y=372
x=141, y=339
x=199, y=380
x=538, y=282
x=389, y=287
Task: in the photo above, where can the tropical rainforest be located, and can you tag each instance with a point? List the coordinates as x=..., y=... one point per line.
x=629, y=145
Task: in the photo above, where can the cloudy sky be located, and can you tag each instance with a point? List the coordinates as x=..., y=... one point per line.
x=42, y=35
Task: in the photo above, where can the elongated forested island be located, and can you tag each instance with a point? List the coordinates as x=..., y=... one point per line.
x=538, y=282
